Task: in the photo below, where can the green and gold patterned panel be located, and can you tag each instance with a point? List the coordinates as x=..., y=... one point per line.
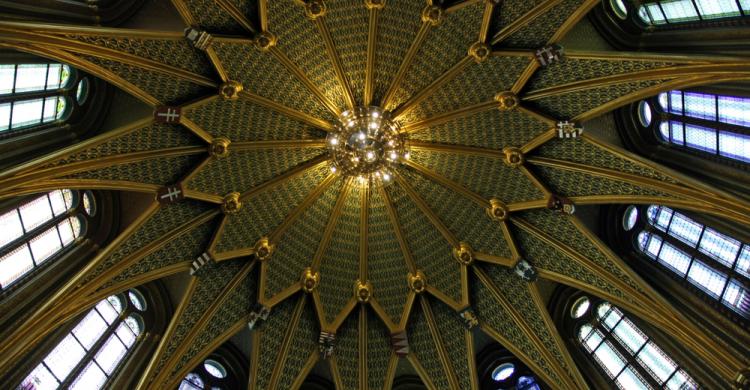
x=573, y=69
x=478, y=83
x=569, y=105
x=153, y=137
x=489, y=177
x=348, y=21
x=560, y=226
x=422, y=345
x=184, y=248
x=234, y=309
x=386, y=266
x=220, y=118
x=492, y=129
x=541, y=30
x=466, y=219
x=398, y=25
x=211, y=280
x=348, y=353
x=245, y=63
x=244, y=170
x=516, y=292
x=453, y=334
x=569, y=183
x=168, y=90
x=297, y=246
x=444, y=46
x=500, y=320
x=304, y=340
x=509, y=11
x=339, y=267
x=544, y=256
x=211, y=17
x=178, y=53
x=300, y=40
x=431, y=252
x=586, y=153
x=154, y=229
x=248, y=8
x=159, y=170
x=261, y=214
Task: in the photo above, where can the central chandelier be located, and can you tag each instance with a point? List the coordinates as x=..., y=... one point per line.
x=366, y=144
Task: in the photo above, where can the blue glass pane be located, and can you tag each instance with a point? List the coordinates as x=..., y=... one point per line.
x=735, y=110
x=714, y=9
x=675, y=102
x=719, y=246
x=735, y=146
x=701, y=138
x=685, y=229
x=675, y=259
x=707, y=278
x=700, y=105
x=679, y=10
x=676, y=133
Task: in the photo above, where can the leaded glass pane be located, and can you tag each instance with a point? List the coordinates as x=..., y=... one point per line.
x=27, y=112
x=7, y=76
x=719, y=246
x=654, y=246
x=629, y=335
x=31, y=77
x=674, y=258
x=743, y=262
x=110, y=354
x=5, y=109
x=107, y=311
x=701, y=138
x=54, y=75
x=675, y=102
x=609, y=359
x=714, y=9
x=90, y=329
x=679, y=10
x=700, y=105
x=50, y=108
x=734, y=146
x=681, y=381
x=630, y=380
x=737, y=297
x=65, y=356
x=35, y=213
x=40, y=379
x=685, y=229
x=745, y=4
x=45, y=245
x=591, y=338
x=707, y=278
x=125, y=332
x=10, y=225
x=656, y=361
x=734, y=110
x=92, y=377
x=58, y=202
x=659, y=216
x=14, y=264
x=67, y=229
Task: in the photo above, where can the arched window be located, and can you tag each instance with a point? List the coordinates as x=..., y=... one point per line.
x=661, y=12
x=37, y=94
x=622, y=351
x=499, y=369
x=39, y=230
x=86, y=12
x=701, y=122
x=719, y=265
x=224, y=369
x=91, y=353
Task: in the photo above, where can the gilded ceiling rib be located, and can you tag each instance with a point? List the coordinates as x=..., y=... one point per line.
x=255, y=358
x=431, y=216
x=86, y=66
x=333, y=219
x=733, y=209
x=42, y=321
x=457, y=149
x=539, y=141
x=445, y=360
x=381, y=313
x=405, y=64
x=275, y=237
x=573, y=19
x=335, y=373
x=23, y=36
x=301, y=116
x=195, y=171
x=287, y=342
x=407, y=310
x=390, y=372
x=364, y=209
x=196, y=129
x=493, y=259
x=393, y=217
x=524, y=78
x=530, y=334
x=214, y=59
x=162, y=377
x=537, y=115
x=372, y=42
x=484, y=30
x=362, y=335
x=278, y=298
x=535, y=180
x=333, y=56
x=277, y=144
x=682, y=328
x=539, y=303
x=449, y=116
x=438, y=178
x=284, y=177
x=523, y=21
x=149, y=372
x=427, y=91
x=237, y=15
x=302, y=77
x=423, y=375
x=79, y=184
x=263, y=14
x=682, y=71
x=184, y=12
x=309, y=364
x=442, y=297
x=512, y=245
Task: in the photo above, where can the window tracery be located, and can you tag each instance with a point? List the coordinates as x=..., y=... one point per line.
x=38, y=230
x=716, y=263
x=622, y=351
x=91, y=353
x=499, y=369
x=223, y=369
x=663, y=12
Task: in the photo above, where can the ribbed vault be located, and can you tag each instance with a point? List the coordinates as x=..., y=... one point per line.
x=252, y=97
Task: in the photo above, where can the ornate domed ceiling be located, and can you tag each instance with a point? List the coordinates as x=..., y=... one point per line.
x=366, y=182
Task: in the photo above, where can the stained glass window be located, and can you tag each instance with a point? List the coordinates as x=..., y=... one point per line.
x=32, y=94
x=628, y=356
x=36, y=231
x=680, y=11
x=212, y=374
x=92, y=351
x=702, y=122
x=716, y=263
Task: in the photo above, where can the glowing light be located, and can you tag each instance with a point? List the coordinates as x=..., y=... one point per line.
x=334, y=141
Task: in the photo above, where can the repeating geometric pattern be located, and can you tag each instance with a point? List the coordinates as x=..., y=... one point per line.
x=301, y=63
